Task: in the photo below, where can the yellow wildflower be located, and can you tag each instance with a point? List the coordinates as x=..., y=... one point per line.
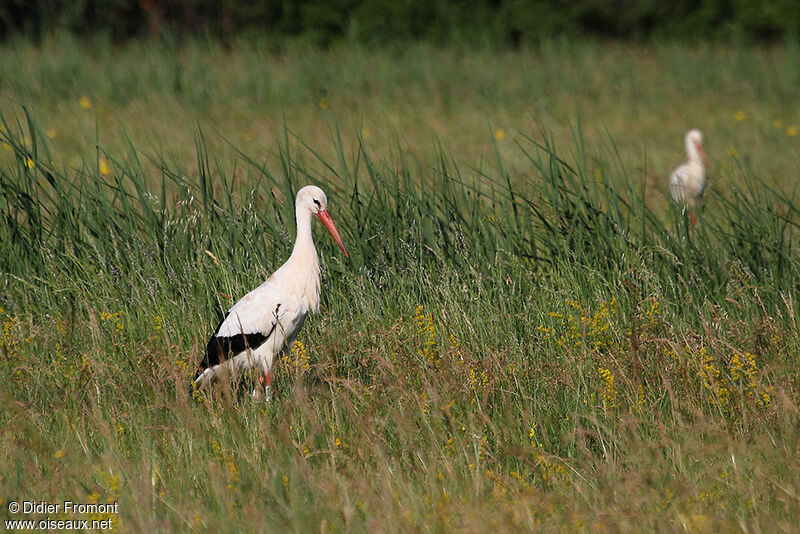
x=476, y=380
x=574, y=305
x=324, y=103
x=791, y=131
x=710, y=376
x=300, y=358
x=519, y=478
x=739, y=116
x=183, y=367
x=499, y=134
x=610, y=391
x=736, y=368
x=112, y=482
x=532, y=437
x=84, y=102
x=551, y=472
x=454, y=342
x=105, y=168
x=652, y=313
x=424, y=322
x=233, y=473
x=762, y=398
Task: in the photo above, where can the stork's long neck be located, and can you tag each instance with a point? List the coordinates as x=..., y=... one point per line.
x=692, y=153
x=304, y=250
x=304, y=262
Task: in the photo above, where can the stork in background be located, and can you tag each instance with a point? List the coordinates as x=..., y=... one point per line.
x=688, y=181
x=266, y=320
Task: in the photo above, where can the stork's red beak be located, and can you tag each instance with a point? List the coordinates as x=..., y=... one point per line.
x=702, y=154
x=325, y=217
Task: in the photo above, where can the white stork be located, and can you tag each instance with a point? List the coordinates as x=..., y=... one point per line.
x=688, y=181
x=265, y=321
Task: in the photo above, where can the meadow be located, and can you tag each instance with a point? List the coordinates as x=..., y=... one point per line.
x=527, y=335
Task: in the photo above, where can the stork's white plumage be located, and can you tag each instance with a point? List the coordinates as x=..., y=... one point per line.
x=688, y=181
x=265, y=321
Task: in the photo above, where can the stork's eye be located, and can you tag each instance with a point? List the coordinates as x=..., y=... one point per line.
x=317, y=203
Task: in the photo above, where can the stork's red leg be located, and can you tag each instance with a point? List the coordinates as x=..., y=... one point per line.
x=264, y=385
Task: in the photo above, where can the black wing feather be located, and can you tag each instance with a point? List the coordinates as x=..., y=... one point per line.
x=221, y=348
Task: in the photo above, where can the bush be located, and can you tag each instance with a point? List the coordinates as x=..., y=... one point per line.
x=509, y=22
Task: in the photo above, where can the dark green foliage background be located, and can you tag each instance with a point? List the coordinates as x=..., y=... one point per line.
x=493, y=22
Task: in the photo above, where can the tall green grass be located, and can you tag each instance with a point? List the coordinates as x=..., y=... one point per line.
x=536, y=352
x=644, y=97
x=564, y=214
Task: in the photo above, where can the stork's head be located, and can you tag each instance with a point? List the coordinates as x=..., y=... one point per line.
x=694, y=146
x=313, y=199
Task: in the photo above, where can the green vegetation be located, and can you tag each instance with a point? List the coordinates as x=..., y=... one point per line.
x=501, y=23
x=637, y=101
x=526, y=335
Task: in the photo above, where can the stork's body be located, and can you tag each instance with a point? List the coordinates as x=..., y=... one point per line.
x=265, y=321
x=688, y=182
